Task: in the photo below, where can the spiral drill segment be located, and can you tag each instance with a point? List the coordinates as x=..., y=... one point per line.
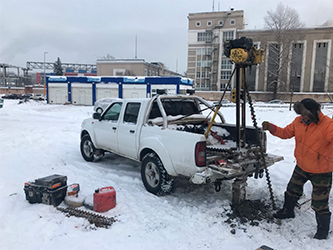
x=260, y=154
x=98, y=220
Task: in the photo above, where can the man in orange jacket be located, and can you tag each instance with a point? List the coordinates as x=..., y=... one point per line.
x=313, y=132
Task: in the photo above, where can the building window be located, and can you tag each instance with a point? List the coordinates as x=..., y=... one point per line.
x=296, y=64
x=250, y=76
x=226, y=65
x=205, y=36
x=202, y=74
x=225, y=75
x=273, y=64
x=226, y=68
x=198, y=24
x=320, y=67
x=207, y=63
x=209, y=23
x=205, y=51
x=145, y=72
x=228, y=35
x=221, y=22
x=232, y=22
x=224, y=86
x=203, y=86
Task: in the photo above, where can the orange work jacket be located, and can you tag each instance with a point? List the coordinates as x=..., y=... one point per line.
x=314, y=143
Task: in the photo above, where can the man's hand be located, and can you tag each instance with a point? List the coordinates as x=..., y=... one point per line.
x=266, y=126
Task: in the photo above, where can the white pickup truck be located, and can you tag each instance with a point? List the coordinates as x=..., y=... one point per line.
x=167, y=135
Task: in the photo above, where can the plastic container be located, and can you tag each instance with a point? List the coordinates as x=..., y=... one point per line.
x=104, y=199
x=50, y=190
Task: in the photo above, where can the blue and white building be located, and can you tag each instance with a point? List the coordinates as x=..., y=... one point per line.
x=86, y=90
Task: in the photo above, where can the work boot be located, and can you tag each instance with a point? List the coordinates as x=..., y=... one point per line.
x=288, y=208
x=323, y=226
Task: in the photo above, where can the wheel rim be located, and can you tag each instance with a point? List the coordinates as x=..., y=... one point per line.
x=152, y=174
x=88, y=148
x=99, y=110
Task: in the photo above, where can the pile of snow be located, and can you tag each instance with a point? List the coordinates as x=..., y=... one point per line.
x=39, y=140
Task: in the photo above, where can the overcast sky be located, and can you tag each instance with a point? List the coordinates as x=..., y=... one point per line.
x=81, y=31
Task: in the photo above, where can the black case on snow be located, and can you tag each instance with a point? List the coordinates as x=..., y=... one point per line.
x=50, y=190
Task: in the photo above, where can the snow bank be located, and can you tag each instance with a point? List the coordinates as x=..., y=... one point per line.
x=38, y=140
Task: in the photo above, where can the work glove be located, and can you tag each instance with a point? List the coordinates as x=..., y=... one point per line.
x=266, y=126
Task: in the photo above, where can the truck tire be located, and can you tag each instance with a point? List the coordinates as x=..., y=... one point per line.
x=88, y=150
x=99, y=110
x=154, y=176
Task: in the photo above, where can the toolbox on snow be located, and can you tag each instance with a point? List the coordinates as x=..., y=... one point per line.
x=50, y=190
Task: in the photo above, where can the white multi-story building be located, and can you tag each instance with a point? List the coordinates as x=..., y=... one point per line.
x=206, y=34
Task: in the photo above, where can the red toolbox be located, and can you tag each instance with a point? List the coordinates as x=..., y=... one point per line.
x=50, y=190
x=104, y=199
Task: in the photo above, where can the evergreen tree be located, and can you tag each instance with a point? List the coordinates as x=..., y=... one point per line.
x=57, y=68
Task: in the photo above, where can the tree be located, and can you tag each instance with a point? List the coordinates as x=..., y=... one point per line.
x=330, y=81
x=286, y=27
x=57, y=68
x=107, y=57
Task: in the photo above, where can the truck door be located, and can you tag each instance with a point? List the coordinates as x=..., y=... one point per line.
x=106, y=128
x=128, y=133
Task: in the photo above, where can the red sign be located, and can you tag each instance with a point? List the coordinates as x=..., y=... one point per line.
x=38, y=78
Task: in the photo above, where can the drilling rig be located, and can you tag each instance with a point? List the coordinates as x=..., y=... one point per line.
x=244, y=54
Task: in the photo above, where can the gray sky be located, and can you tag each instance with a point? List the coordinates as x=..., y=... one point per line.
x=81, y=31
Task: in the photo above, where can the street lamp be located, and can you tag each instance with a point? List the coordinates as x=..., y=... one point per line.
x=44, y=77
x=44, y=67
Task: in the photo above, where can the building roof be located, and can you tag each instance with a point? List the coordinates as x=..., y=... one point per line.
x=328, y=23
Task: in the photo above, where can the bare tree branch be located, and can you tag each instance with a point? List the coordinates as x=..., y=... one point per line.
x=285, y=24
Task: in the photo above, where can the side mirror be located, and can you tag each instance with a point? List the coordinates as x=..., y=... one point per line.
x=96, y=116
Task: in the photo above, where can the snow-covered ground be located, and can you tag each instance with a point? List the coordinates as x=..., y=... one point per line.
x=37, y=140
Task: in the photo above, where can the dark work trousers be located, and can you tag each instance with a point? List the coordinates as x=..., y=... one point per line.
x=321, y=184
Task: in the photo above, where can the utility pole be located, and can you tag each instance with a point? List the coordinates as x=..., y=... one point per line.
x=44, y=67
x=177, y=66
x=44, y=77
x=136, y=46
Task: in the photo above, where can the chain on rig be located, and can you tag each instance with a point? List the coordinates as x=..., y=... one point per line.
x=244, y=54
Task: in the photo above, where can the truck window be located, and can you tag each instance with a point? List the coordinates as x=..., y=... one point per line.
x=176, y=107
x=155, y=111
x=131, y=112
x=113, y=112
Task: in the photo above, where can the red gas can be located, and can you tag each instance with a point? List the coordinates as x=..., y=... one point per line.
x=104, y=199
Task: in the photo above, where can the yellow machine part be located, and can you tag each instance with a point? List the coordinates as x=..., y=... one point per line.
x=259, y=55
x=233, y=95
x=238, y=55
